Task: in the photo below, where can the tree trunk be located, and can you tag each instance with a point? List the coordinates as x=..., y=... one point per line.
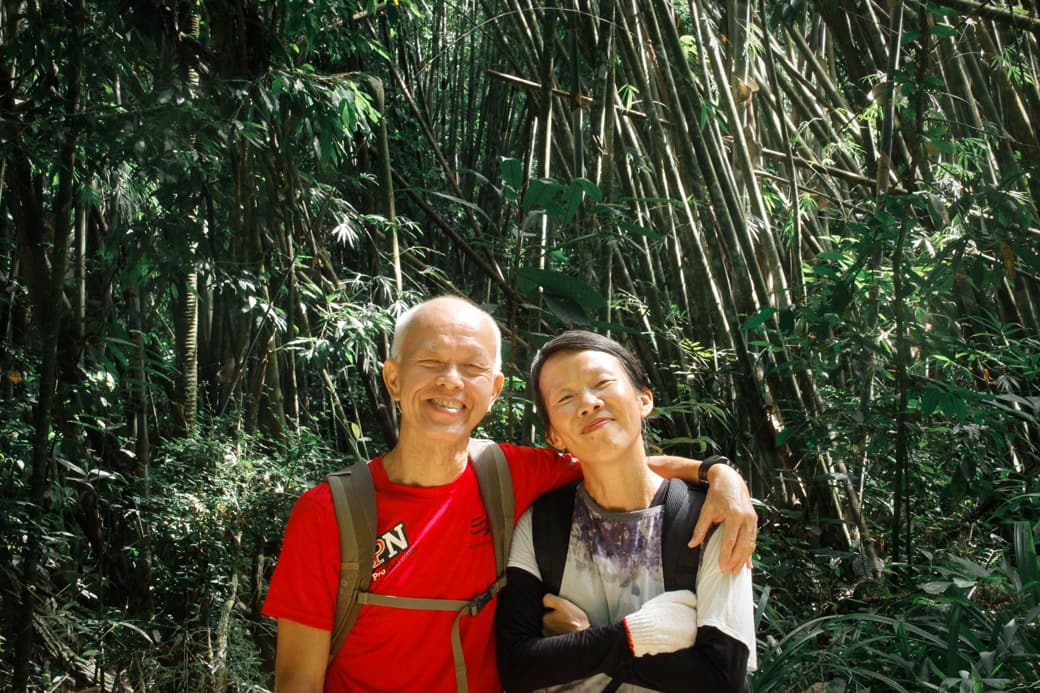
x=46, y=284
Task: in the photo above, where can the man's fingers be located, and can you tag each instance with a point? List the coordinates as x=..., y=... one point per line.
x=737, y=554
x=728, y=550
x=729, y=502
x=737, y=543
x=752, y=538
x=700, y=530
x=712, y=513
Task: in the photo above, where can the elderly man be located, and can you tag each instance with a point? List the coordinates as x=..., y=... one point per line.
x=444, y=371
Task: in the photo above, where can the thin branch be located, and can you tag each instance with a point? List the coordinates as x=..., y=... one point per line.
x=487, y=267
x=1020, y=21
x=577, y=100
x=848, y=176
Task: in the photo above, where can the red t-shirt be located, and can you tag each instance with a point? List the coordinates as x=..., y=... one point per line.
x=431, y=542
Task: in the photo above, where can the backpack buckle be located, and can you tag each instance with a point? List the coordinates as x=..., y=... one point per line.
x=477, y=604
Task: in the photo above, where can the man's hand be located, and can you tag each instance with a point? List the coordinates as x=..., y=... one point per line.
x=728, y=502
x=563, y=617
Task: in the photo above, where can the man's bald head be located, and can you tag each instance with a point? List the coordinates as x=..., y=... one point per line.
x=456, y=304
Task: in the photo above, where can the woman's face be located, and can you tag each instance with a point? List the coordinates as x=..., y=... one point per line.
x=595, y=412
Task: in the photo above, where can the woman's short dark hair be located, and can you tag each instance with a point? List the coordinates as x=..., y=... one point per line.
x=582, y=340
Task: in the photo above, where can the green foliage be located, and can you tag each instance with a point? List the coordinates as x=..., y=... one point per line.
x=236, y=165
x=908, y=277
x=964, y=626
x=965, y=618
x=213, y=520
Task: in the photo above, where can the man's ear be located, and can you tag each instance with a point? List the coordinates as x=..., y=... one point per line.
x=390, y=379
x=500, y=380
x=646, y=403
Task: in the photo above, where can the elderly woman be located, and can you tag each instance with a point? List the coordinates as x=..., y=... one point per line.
x=615, y=624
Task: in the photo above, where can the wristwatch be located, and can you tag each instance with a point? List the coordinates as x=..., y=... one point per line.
x=707, y=464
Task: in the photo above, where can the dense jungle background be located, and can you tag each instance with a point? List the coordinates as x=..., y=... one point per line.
x=816, y=221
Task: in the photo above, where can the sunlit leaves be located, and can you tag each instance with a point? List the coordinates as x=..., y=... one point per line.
x=512, y=177
x=572, y=299
x=759, y=318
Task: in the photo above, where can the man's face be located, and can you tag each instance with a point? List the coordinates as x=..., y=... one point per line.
x=595, y=411
x=444, y=374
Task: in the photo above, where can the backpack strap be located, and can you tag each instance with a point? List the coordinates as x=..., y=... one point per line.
x=682, y=507
x=460, y=606
x=496, y=490
x=553, y=511
x=354, y=502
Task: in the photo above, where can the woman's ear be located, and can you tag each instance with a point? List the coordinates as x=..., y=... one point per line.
x=646, y=403
x=552, y=439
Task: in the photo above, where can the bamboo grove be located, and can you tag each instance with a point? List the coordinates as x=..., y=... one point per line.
x=816, y=222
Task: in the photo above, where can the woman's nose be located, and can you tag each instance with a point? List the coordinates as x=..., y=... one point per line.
x=590, y=402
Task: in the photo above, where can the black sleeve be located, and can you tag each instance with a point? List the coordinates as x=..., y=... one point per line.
x=527, y=660
x=717, y=663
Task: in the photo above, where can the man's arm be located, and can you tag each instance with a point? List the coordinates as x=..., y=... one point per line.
x=301, y=658
x=728, y=501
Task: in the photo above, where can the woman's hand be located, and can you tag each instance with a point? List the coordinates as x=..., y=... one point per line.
x=562, y=616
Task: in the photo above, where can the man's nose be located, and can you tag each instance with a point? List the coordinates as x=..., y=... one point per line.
x=450, y=376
